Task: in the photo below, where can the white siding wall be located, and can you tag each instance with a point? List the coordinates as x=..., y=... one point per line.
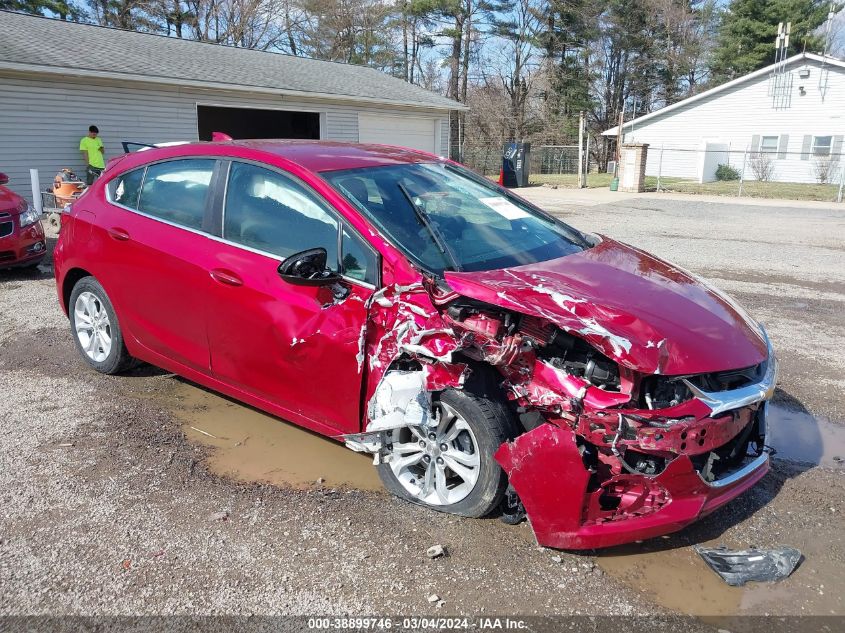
x=42, y=120
x=737, y=115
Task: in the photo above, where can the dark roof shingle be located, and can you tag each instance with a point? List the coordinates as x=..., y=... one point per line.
x=67, y=46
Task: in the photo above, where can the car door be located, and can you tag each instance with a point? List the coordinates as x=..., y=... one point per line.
x=294, y=346
x=155, y=231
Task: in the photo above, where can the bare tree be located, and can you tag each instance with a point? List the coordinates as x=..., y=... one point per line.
x=762, y=166
x=825, y=168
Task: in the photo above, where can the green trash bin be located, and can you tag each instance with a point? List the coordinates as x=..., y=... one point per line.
x=614, y=184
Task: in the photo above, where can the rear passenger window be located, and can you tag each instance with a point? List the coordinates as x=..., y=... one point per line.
x=273, y=213
x=177, y=191
x=125, y=188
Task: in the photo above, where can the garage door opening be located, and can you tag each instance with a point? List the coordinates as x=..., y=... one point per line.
x=253, y=123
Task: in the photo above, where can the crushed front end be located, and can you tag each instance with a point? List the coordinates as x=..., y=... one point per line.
x=639, y=391
x=609, y=455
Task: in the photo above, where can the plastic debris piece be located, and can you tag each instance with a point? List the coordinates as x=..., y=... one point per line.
x=736, y=567
x=435, y=551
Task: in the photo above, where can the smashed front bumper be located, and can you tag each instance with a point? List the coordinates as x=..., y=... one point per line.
x=569, y=509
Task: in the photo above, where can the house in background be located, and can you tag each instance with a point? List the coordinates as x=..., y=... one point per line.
x=788, y=116
x=57, y=78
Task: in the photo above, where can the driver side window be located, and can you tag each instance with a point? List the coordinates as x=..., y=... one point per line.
x=270, y=212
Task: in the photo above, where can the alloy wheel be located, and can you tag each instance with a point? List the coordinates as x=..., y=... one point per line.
x=438, y=464
x=93, y=328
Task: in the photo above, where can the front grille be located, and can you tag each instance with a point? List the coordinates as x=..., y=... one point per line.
x=6, y=256
x=659, y=392
x=6, y=224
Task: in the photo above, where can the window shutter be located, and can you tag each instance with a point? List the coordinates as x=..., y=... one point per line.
x=755, y=143
x=836, y=151
x=805, y=147
x=783, y=143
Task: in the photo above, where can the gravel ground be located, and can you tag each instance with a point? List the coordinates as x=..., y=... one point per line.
x=106, y=508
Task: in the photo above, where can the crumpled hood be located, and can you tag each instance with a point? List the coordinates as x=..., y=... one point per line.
x=644, y=313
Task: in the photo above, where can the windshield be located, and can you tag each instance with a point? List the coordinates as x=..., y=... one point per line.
x=446, y=218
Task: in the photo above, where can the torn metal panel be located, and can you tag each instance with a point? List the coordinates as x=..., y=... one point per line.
x=737, y=567
x=401, y=399
x=620, y=299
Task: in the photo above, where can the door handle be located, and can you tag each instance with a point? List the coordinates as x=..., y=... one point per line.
x=226, y=277
x=121, y=235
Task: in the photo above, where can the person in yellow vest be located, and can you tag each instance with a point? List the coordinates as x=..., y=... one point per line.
x=93, y=154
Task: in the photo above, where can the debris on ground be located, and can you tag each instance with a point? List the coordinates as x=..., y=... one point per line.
x=433, y=598
x=557, y=559
x=223, y=515
x=736, y=567
x=436, y=551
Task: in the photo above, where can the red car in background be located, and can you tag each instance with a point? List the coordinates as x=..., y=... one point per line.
x=22, y=241
x=489, y=356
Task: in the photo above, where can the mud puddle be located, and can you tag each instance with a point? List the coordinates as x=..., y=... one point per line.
x=673, y=578
x=799, y=436
x=255, y=447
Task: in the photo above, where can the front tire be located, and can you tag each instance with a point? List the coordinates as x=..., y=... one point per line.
x=95, y=328
x=449, y=467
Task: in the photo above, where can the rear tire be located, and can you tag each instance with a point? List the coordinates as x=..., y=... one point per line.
x=95, y=328
x=483, y=425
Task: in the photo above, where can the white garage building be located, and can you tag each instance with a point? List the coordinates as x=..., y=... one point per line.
x=57, y=78
x=793, y=114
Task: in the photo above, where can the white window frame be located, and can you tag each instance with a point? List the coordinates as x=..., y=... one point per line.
x=772, y=150
x=814, y=150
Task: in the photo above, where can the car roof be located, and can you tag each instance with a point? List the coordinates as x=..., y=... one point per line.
x=332, y=155
x=314, y=156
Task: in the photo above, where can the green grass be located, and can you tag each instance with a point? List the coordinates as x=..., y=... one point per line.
x=752, y=189
x=570, y=180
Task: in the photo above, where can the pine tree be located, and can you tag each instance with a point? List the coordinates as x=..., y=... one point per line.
x=749, y=28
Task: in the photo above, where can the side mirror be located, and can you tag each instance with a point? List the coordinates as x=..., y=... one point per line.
x=308, y=268
x=4, y=179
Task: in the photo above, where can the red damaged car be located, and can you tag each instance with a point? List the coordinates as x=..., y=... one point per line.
x=490, y=357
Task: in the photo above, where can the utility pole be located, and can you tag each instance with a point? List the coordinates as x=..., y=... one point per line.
x=581, y=175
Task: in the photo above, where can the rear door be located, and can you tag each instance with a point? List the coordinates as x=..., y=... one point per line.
x=297, y=347
x=156, y=233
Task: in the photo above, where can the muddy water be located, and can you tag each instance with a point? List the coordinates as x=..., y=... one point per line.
x=676, y=578
x=799, y=436
x=252, y=446
x=256, y=447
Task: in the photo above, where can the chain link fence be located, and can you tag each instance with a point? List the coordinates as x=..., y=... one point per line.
x=717, y=169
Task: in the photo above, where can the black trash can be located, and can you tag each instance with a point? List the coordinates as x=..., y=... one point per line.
x=516, y=164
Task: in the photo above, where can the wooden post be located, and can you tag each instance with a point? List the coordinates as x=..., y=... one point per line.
x=587, y=160
x=581, y=149
x=620, y=137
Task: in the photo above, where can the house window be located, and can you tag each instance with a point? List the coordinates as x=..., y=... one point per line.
x=822, y=145
x=769, y=144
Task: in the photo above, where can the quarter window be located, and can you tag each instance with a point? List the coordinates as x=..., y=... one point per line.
x=769, y=144
x=357, y=261
x=822, y=145
x=177, y=191
x=273, y=213
x=124, y=189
